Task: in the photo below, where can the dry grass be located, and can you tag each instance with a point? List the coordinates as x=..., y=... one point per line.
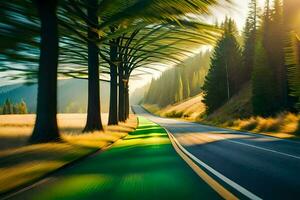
x=21, y=163
x=235, y=114
x=239, y=106
x=189, y=109
x=284, y=125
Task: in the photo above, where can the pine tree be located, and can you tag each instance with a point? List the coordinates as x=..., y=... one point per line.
x=249, y=41
x=165, y=89
x=276, y=54
x=264, y=94
x=8, y=107
x=4, y=110
x=22, y=107
x=186, y=86
x=180, y=90
x=223, y=79
x=263, y=97
x=194, y=84
x=292, y=50
x=15, y=109
x=269, y=64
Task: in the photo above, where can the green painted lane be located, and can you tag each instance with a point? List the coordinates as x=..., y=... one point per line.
x=142, y=166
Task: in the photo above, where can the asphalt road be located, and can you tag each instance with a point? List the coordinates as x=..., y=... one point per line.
x=250, y=165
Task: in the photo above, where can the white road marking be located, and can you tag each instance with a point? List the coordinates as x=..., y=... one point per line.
x=253, y=146
x=239, y=188
x=216, y=173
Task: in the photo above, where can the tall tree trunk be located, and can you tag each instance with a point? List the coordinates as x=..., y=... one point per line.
x=46, y=128
x=126, y=99
x=93, y=122
x=121, y=94
x=113, y=103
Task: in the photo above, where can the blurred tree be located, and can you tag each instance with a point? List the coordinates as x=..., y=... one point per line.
x=276, y=54
x=292, y=47
x=22, y=107
x=7, y=107
x=269, y=64
x=74, y=38
x=16, y=109
x=193, y=69
x=179, y=94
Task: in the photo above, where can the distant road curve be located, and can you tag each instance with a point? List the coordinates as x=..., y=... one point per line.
x=252, y=166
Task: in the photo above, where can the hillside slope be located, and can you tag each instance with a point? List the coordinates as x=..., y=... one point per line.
x=235, y=114
x=239, y=106
x=191, y=109
x=194, y=109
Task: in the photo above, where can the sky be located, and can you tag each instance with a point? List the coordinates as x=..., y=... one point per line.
x=239, y=12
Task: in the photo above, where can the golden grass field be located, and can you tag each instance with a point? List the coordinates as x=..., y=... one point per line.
x=22, y=163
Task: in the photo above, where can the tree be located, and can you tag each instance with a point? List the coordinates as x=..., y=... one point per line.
x=263, y=97
x=22, y=107
x=93, y=122
x=292, y=49
x=193, y=70
x=113, y=102
x=179, y=94
x=249, y=41
x=15, y=109
x=121, y=93
x=8, y=107
x=223, y=79
x=45, y=128
x=269, y=64
x=71, y=23
x=264, y=94
x=276, y=54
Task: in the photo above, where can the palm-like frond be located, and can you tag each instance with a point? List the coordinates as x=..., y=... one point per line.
x=164, y=35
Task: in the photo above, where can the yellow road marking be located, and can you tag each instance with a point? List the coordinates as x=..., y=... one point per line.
x=209, y=180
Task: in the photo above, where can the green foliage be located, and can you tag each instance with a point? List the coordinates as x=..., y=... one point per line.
x=274, y=30
x=292, y=61
x=292, y=49
x=223, y=79
x=8, y=107
x=269, y=55
x=263, y=98
x=269, y=66
x=249, y=41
